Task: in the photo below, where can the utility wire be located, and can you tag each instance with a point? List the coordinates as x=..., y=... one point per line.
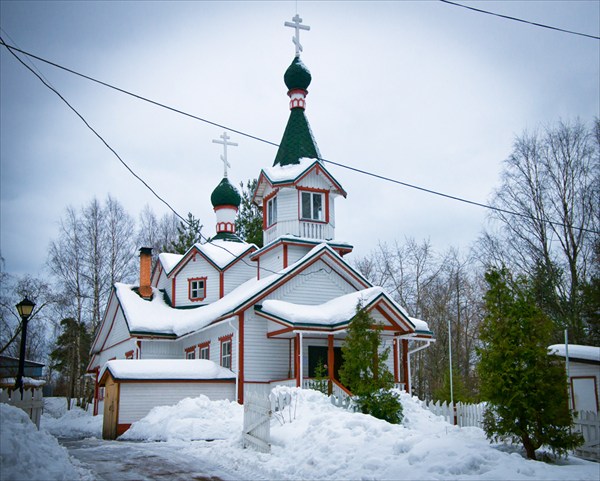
x=364, y=172
x=508, y=17
x=93, y=130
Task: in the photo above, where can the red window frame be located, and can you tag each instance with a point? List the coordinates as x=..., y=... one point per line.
x=203, y=289
x=201, y=347
x=228, y=339
x=129, y=354
x=190, y=352
x=271, y=197
x=325, y=206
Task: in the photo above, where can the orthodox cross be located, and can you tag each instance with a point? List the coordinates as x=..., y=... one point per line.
x=225, y=143
x=296, y=24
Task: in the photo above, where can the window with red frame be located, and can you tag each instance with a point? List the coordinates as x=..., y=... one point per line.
x=197, y=289
x=313, y=206
x=226, y=356
x=204, y=350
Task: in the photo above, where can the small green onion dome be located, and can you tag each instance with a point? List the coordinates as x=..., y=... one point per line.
x=225, y=194
x=297, y=76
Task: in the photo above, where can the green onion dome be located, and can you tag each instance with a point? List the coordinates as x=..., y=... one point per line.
x=297, y=76
x=225, y=194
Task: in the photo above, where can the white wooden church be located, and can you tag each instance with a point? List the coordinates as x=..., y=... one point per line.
x=226, y=315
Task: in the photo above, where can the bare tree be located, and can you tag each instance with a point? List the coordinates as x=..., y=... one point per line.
x=551, y=180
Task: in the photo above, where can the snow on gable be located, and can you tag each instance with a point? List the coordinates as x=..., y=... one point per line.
x=166, y=369
x=576, y=351
x=338, y=310
x=169, y=261
x=291, y=174
x=220, y=253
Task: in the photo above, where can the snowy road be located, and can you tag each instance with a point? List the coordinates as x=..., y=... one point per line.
x=127, y=461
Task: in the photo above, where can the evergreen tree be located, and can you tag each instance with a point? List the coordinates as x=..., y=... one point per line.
x=188, y=234
x=525, y=387
x=364, y=371
x=70, y=356
x=249, y=222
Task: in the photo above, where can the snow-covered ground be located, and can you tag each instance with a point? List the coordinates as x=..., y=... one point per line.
x=311, y=440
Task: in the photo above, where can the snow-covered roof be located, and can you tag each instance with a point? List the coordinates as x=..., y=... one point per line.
x=219, y=252
x=336, y=311
x=162, y=369
x=288, y=173
x=169, y=261
x=288, y=238
x=576, y=351
x=155, y=316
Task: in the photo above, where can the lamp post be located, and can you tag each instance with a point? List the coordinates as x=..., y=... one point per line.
x=24, y=308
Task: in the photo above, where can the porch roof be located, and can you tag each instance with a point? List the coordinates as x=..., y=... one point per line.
x=336, y=314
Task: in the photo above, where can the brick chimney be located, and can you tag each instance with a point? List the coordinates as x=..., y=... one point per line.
x=145, y=272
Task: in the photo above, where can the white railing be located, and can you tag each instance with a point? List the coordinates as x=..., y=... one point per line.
x=299, y=228
x=32, y=401
x=588, y=424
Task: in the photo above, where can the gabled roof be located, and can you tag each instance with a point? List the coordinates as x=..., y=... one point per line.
x=338, y=313
x=221, y=253
x=157, y=317
x=576, y=352
x=288, y=175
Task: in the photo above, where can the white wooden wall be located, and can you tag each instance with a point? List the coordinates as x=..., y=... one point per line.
x=198, y=268
x=264, y=359
x=238, y=274
x=165, y=349
x=137, y=399
x=212, y=334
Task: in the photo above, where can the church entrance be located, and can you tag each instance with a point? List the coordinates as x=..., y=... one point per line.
x=317, y=356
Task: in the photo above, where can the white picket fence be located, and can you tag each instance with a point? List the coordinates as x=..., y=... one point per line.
x=466, y=414
x=32, y=401
x=588, y=424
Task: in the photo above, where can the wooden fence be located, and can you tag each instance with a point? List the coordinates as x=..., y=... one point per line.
x=588, y=424
x=32, y=401
x=257, y=421
x=465, y=414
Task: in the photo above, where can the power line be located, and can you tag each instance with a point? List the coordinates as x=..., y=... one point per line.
x=93, y=130
x=364, y=172
x=508, y=17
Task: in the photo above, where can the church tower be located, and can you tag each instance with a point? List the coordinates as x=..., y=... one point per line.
x=297, y=193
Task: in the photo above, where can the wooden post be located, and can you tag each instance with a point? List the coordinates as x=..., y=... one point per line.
x=330, y=363
x=405, y=365
x=396, y=354
x=297, y=360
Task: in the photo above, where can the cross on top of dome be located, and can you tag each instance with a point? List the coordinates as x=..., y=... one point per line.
x=296, y=24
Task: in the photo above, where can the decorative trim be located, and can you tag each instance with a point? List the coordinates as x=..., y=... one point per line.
x=240, y=362
x=201, y=347
x=203, y=288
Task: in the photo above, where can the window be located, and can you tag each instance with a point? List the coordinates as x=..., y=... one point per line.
x=129, y=355
x=190, y=355
x=197, y=289
x=271, y=211
x=226, y=352
x=312, y=206
x=204, y=350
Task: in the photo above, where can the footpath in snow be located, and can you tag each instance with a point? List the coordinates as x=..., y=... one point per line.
x=311, y=440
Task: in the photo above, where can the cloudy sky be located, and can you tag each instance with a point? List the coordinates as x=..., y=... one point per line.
x=420, y=91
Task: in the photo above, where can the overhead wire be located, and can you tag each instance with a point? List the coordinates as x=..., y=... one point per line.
x=516, y=19
x=181, y=112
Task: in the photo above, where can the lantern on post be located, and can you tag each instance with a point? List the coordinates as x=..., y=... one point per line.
x=24, y=308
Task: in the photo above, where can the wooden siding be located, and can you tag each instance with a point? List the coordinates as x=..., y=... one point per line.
x=164, y=283
x=316, y=285
x=195, y=269
x=119, y=331
x=212, y=334
x=287, y=205
x=239, y=273
x=264, y=359
x=137, y=399
x=161, y=350
x=271, y=262
x=314, y=181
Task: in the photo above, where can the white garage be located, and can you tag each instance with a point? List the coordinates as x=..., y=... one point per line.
x=134, y=386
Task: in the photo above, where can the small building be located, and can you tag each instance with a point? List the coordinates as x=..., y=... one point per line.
x=9, y=367
x=584, y=374
x=134, y=386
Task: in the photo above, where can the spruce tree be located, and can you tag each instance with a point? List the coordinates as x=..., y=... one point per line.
x=249, y=222
x=526, y=389
x=364, y=371
x=188, y=234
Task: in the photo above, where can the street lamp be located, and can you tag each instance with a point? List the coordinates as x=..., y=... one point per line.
x=24, y=308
